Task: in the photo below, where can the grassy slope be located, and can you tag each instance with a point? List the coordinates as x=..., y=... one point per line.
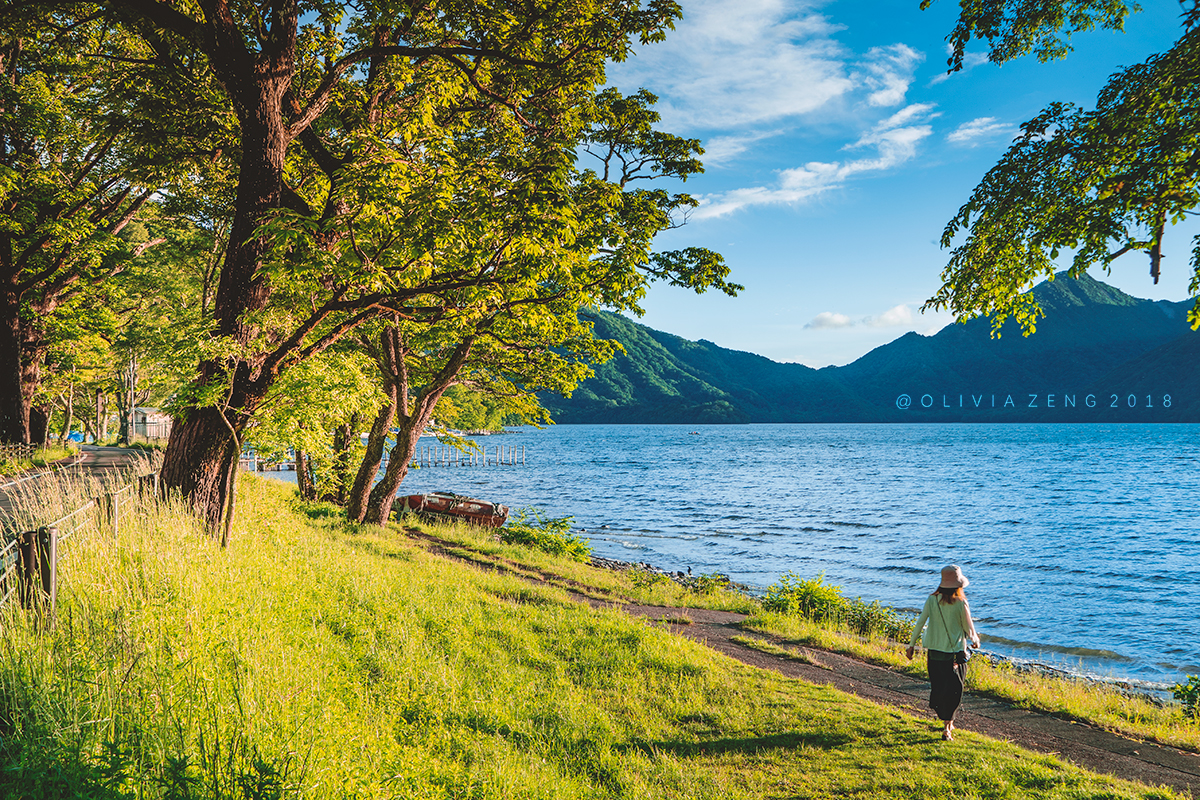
x=321, y=661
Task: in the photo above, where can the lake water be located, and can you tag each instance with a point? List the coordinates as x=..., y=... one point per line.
x=1080, y=541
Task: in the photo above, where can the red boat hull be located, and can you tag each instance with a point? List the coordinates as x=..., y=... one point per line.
x=455, y=507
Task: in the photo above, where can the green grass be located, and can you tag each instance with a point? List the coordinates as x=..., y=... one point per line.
x=319, y=660
x=1107, y=707
x=41, y=458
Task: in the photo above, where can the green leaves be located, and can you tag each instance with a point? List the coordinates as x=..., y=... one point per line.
x=1015, y=28
x=1098, y=184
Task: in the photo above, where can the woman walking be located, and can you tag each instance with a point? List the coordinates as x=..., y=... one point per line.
x=949, y=627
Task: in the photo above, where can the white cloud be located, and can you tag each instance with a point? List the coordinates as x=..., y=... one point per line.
x=736, y=63
x=721, y=149
x=970, y=62
x=895, y=140
x=897, y=315
x=828, y=319
x=900, y=316
x=887, y=72
x=973, y=133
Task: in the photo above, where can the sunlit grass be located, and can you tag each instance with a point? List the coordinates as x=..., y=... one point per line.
x=316, y=659
x=1089, y=701
x=40, y=458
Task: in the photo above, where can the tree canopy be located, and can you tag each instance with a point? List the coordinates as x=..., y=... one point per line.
x=1097, y=184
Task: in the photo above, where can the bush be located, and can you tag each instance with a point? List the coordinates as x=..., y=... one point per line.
x=813, y=598
x=1189, y=694
x=549, y=535
x=876, y=619
x=821, y=602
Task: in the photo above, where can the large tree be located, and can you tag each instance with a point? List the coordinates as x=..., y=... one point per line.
x=321, y=94
x=1097, y=184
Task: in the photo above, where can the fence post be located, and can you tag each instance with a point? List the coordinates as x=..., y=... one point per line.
x=29, y=572
x=111, y=511
x=47, y=545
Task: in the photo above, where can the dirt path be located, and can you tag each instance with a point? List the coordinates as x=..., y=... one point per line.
x=1079, y=743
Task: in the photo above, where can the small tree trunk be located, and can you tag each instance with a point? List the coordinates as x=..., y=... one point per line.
x=14, y=412
x=379, y=504
x=391, y=364
x=345, y=438
x=101, y=418
x=304, y=476
x=68, y=416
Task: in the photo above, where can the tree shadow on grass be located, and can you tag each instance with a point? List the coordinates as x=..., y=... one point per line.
x=824, y=740
x=377, y=549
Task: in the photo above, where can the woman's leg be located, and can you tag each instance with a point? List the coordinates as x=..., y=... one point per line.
x=945, y=690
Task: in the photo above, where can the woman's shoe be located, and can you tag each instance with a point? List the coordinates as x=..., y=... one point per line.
x=947, y=736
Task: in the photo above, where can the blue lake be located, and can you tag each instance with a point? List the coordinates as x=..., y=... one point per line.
x=1080, y=541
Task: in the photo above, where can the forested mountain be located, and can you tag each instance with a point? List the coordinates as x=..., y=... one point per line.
x=1099, y=355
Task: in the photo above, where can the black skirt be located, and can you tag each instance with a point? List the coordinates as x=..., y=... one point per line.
x=947, y=677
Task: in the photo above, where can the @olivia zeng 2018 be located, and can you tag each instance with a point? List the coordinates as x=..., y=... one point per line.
x=1003, y=401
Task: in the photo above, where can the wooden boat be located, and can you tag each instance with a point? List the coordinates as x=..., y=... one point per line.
x=451, y=506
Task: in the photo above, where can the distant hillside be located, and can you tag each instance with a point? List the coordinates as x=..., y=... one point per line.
x=1099, y=355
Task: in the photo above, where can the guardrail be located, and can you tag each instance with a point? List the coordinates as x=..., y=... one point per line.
x=29, y=561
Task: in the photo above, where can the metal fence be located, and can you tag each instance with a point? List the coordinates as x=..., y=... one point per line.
x=29, y=561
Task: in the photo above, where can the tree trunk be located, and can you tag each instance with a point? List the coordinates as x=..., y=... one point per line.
x=379, y=504
x=198, y=462
x=344, y=438
x=390, y=359
x=14, y=412
x=197, y=457
x=39, y=424
x=101, y=418
x=68, y=416
x=304, y=478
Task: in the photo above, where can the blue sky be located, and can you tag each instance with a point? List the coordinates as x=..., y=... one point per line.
x=838, y=148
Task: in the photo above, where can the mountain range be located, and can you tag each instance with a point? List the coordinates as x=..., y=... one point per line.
x=1099, y=355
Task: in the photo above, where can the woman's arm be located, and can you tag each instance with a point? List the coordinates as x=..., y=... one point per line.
x=918, y=626
x=969, y=625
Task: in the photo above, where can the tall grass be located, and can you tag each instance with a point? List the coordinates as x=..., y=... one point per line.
x=318, y=660
x=41, y=457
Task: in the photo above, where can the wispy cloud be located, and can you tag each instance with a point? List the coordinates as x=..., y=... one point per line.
x=975, y=132
x=736, y=63
x=827, y=319
x=970, y=62
x=887, y=72
x=721, y=149
x=895, y=317
x=895, y=141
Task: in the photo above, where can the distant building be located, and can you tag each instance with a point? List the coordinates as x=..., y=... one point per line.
x=151, y=423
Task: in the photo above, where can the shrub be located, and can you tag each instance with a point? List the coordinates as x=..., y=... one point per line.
x=876, y=619
x=813, y=598
x=549, y=535
x=1189, y=694
x=821, y=602
x=709, y=583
